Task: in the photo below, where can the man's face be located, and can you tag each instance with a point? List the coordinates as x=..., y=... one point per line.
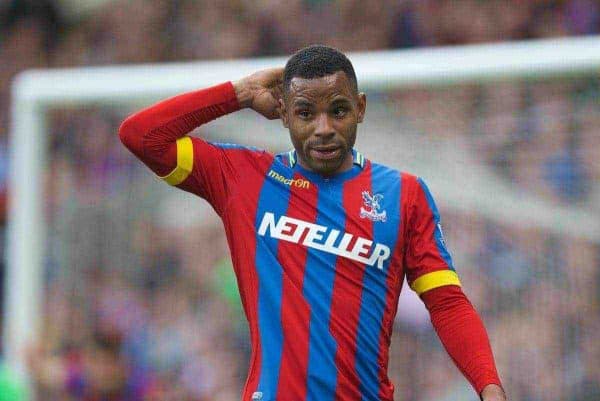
x=322, y=115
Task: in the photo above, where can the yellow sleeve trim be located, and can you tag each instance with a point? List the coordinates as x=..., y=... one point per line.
x=435, y=279
x=185, y=162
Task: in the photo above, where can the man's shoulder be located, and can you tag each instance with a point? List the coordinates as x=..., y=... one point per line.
x=232, y=156
x=235, y=151
x=235, y=146
x=404, y=176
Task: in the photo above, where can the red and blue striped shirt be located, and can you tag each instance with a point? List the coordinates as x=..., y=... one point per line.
x=319, y=260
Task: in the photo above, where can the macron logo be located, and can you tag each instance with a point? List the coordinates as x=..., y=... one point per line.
x=324, y=239
x=300, y=183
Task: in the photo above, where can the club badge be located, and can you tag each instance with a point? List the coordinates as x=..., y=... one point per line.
x=370, y=209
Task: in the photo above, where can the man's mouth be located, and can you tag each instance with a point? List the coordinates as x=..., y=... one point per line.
x=325, y=152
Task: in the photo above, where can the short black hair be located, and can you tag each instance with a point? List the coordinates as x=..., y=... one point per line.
x=317, y=61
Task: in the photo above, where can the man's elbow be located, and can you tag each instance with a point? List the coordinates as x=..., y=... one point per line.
x=130, y=134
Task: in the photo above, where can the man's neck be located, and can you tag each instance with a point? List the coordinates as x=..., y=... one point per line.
x=345, y=166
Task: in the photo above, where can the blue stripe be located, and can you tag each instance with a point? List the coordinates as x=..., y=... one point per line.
x=274, y=198
x=439, y=236
x=318, y=290
x=387, y=183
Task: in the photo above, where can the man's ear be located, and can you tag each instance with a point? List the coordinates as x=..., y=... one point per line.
x=283, y=112
x=362, y=106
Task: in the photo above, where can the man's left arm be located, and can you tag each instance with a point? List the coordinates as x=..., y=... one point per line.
x=465, y=339
x=430, y=273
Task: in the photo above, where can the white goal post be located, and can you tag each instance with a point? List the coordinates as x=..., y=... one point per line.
x=37, y=90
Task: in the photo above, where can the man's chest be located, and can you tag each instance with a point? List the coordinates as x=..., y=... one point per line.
x=357, y=219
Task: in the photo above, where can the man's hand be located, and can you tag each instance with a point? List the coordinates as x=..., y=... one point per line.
x=493, y=392
x=261, y=91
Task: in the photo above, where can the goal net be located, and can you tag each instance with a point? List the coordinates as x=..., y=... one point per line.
x=116, y=274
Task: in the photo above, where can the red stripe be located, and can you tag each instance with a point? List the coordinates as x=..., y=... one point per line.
x=347, y=293
x=295, y=311
x=422, y=253
x=243, y=254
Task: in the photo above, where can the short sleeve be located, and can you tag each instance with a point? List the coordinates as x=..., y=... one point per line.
x=427, y=260
x=211, y=170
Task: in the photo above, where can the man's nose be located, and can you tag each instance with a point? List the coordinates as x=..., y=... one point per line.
x=324, y=126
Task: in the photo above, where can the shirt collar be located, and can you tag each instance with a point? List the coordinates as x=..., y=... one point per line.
x=359, y=159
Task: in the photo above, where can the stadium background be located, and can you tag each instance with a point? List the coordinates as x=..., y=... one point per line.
x=139, y=291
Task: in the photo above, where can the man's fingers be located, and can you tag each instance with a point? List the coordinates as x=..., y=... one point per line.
x=275, y=77
x=273, y=114
x=277, y=92
x=279, y=73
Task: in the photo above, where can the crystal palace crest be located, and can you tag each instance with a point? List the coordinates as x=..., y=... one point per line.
x=370, y=209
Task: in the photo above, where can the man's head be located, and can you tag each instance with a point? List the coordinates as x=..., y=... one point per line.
x=321, y=107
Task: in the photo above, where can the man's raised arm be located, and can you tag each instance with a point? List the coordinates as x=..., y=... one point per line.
x=151, y=133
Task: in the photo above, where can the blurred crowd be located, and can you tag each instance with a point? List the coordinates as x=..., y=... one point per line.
x=141, y=302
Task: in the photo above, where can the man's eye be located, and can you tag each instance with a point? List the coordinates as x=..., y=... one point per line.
x=339, y=111
x=304, y=113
